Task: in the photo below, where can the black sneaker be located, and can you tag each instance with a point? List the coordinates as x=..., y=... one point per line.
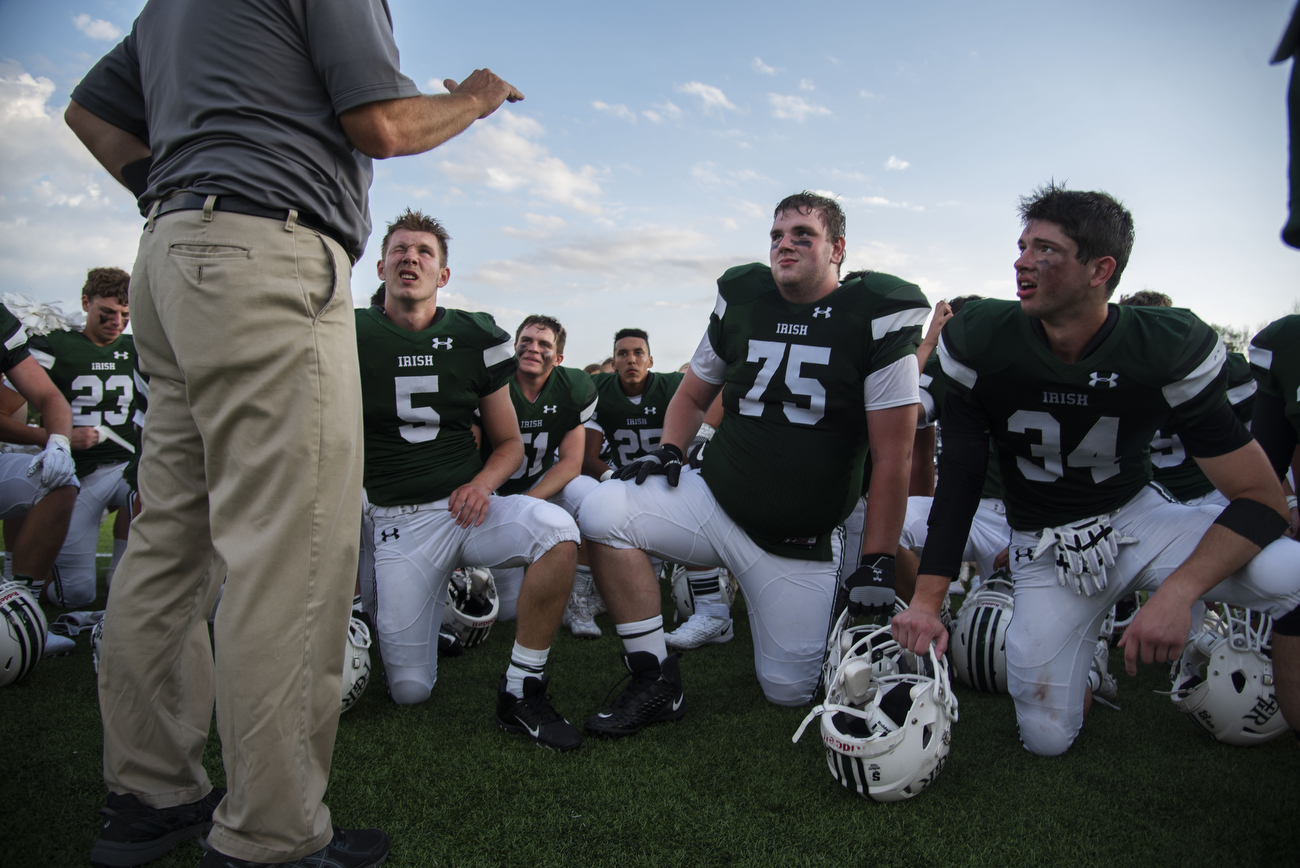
x=134, y=833
x=654, y=694
x=349, y=848
x=534, y=716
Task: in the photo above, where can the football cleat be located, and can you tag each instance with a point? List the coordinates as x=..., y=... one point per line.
x=23, y=631
x=1224, y=681
x=654, y=694
x=356, y=663
x=58, y=646
x=534, y=716
x=580, y=612
x=1102, y=684
x=887, y=719
x=700, y=630
x=978, y=648
x=472, y=605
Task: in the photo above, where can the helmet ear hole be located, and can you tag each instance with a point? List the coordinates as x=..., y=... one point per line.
x=1239, y=681
x=927, y=732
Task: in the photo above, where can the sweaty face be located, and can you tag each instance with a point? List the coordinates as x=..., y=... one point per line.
x=535, y=350
x=105, y=319
x=803, y=254
x=632, y=360
x=412, y=268
x=1050, y=281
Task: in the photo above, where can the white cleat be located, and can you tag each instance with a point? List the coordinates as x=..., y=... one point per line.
x=700, y=630
x=580, y=612
x=57, y=646
x=1103, y=684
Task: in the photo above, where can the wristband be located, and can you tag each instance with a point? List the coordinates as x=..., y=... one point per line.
x=604, y=477
x=1253, y=520
x=1290, y=501
x=59, y=440
x=707, y=431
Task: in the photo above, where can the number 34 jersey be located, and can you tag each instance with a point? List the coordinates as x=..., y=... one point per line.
x=787, y=463
x=419, y=391
x=97, y=381
x=1073, y=440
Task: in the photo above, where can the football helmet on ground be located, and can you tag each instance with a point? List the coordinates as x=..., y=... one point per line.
x=22, y=632
x=887, y=719
x=684, y=597
x=472, y=605
x=1224, y=680
x=356, y=662
x=979, y=635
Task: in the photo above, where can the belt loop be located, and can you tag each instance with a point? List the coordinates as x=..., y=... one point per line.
x=208, y=204
x=293, y=219
x=153, y=212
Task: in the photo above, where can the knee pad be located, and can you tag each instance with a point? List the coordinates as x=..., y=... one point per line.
x=1043, y=736
x=603, y=511
x=407, y=692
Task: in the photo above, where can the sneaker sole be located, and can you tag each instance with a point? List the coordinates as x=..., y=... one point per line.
x=523, y=730
x=121, y=854
x=619, y=732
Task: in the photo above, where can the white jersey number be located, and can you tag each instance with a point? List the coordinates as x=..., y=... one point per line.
x=771, y=354
x=1096, y=450
x=534, y=453
x=424, y=420
x=632, y=444
x=1167, y=451
x=84, y=414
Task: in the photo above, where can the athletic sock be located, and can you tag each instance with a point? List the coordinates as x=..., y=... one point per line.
x=524, y=663
x=647, y=635
x=33, y=587
x=119, y=549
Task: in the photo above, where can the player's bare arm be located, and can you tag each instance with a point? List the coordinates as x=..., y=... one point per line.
x=397, y=127
x=569, y=459
x=469, y=503
x=891, y=432
x=112, y=146
x=1159, y=630
x=687, y=410
x=942, y=313
x=35, y=385
x=591, y=464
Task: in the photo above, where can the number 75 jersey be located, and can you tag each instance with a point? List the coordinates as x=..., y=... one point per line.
x=1073, y=440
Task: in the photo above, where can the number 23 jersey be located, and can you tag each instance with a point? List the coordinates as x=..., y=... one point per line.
x=1073, y=440
x=419, y=391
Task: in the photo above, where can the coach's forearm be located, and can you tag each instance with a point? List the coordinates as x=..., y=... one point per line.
x=112, y=146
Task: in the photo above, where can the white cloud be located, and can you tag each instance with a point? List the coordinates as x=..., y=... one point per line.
x=709, y=174
x=97, y=28
x=882, y=202
x=654, y=117
x=619, y=111
x=760, y=66
x=806, y=84
x=712, y=98
x=794, y=108
x=896, y=165
x=835, y=61
x=501, y=154
x=435, y=85
x=539, y=226
x=866, y=94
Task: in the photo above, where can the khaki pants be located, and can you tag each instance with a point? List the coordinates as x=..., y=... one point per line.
x=252, y=456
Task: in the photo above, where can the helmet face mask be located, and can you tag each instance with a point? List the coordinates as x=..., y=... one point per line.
x=356, y=663
x=979, y=635
x=472, y=605
x=22, y=632
x=1224, y=680
x=887, y=719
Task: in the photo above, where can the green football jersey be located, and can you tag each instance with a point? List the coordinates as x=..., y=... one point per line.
x=131, y=473
x=632, y=430
x=14, y=338
x=1275, y=358
x=566, y=401
x=787, y=462
x=98, y=383
x=1177, y=471
x=1073, y=440
x=419, y=392
x=932, y=397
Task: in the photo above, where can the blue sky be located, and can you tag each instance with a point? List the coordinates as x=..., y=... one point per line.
x=655, y=140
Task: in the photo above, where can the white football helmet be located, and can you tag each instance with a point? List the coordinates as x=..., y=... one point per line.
x=684, y=598
x=978, y=647
x=22, y=632
x=1224, y=680
x=356, y=663
x=888, y=715
x=472, y=605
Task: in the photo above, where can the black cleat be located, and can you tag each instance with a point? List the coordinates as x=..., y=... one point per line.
x=654, y=694
x=534, y=716
x=134, y=833
x=351, y=848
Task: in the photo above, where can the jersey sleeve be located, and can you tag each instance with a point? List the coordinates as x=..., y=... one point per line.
x=15, y=340
x=930, y=390
x=586, y=397
x=112, y=92
x=892, y=386
x=1241, y=387
x=354, y=53
x=706, y=363
x=41, y=350
x=498, y=358
x=1196, y=386
x=896, y=326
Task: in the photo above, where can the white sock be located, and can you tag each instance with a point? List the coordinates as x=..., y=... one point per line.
x=647, y=635
x=9, y=567
x=524, y=663
x=119, y=549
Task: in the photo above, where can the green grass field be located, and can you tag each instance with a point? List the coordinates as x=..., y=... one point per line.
x=722, y=786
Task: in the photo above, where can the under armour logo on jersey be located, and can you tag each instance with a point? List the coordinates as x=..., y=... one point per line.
x=439, y=344
x=384, y=536
x=1022, y=554
x=650, y=411
x=122, y=355
x=1095, y=379
x=550, y=408
x=822, y=311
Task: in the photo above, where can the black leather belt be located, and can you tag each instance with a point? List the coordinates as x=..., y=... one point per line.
x=239, y=205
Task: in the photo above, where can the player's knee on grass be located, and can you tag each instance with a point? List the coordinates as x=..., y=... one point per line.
x=72, y=589
x=408, y=685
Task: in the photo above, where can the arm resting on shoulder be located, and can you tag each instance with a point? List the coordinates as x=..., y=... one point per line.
x=567, y=466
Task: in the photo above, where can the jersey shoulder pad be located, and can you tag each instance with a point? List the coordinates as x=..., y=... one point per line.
x=984, y=336
x=574, y=387
x=477, y=328
x=11, y=328
x=744, y=283
x=47, y=348
x=894, y=290
x=1279, y=334
x=1180, y=353
x=604, y=382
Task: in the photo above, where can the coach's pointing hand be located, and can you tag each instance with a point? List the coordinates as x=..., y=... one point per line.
x=490, y=89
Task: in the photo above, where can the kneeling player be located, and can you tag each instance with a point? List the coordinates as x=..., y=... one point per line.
x=425, y=370
x=1072, y=390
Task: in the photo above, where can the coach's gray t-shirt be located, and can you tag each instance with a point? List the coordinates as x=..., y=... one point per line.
x=242, y=97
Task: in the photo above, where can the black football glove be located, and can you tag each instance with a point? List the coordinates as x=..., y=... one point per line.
x=667, y=460
x=871, y=586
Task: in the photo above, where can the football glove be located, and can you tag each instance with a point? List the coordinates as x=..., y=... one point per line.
x=695, y=452
x=1083, y=551
x=667, y=460
x=871, y=586
x=54, y=463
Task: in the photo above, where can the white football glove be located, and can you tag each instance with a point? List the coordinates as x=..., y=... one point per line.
x=54, y=463
x=1083, y=551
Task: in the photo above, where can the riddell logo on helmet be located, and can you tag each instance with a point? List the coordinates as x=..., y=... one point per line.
x=843, y=747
